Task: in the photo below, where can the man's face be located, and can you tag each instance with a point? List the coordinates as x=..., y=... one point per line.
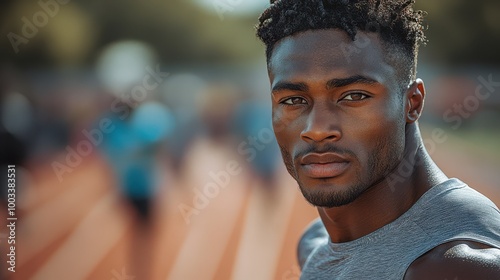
x=339, y=120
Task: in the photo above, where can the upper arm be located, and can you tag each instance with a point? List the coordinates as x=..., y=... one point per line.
x=313, y=236
x=461, y=260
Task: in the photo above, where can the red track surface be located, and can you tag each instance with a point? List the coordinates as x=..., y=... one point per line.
x=81, y=229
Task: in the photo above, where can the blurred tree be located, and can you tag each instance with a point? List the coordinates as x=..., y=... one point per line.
x=181, y=32
x=462, y=32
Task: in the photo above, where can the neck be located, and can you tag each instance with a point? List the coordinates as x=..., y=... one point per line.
x=388, y=199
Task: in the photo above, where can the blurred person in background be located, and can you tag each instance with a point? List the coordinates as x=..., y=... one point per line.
x=15, y=130
x=213, y=149
x=258, y=145
x=138, y=128
x=135, y=150
x=183, y=92
x=13, y=153
x=214, y=115
x=346, y=103
x=15, y=126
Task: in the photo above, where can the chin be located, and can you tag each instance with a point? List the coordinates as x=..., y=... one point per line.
x=328, y=194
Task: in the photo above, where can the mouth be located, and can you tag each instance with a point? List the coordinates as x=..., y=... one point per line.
x=322, y=166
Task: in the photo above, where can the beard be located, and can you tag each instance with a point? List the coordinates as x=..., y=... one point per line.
x=379, y=163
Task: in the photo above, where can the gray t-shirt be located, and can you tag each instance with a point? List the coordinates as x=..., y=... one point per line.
x=447, y=212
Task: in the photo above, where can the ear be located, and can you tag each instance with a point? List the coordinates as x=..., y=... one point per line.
x=415, y=96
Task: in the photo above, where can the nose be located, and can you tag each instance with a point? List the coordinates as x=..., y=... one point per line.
x=322, y=125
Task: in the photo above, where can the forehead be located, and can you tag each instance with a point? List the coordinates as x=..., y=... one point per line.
x=326, y=54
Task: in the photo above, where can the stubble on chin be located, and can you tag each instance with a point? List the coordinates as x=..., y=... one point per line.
x=322, y=198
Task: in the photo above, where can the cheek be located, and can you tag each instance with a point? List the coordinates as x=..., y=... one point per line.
x=378, y=130
x=279, y=124
x=285, y=127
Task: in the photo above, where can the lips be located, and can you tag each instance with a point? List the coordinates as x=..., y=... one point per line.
x=325, y=165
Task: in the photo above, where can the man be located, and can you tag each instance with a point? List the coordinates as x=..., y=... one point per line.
x=346, y=102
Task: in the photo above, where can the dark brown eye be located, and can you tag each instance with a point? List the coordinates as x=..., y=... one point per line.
x=356, y=96
x=294, y=101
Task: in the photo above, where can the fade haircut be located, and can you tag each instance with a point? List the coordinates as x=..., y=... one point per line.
x=398, y=25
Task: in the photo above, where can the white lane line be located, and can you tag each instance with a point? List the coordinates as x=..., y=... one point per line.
x=263, y=233
x=92, y=239
x=208, y=237
x=45, y=225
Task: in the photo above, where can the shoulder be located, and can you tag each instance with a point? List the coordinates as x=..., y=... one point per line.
x=314, y=236
x=457, y=260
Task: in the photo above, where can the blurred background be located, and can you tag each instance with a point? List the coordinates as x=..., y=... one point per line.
x=141, y=135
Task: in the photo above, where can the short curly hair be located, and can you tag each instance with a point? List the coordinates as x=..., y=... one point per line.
x=397, y=23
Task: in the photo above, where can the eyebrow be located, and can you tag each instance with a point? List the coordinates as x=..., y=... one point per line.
x=290, y=86
x=357, y=79
x=333, y=83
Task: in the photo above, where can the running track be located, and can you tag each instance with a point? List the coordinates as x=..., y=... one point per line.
x=80, y=229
